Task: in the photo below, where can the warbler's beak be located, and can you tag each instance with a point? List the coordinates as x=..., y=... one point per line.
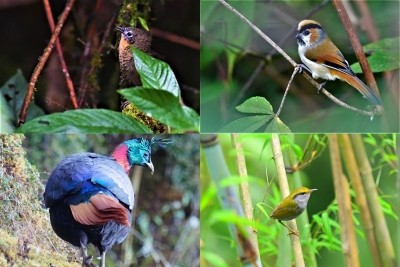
x=151, y=166
x=120, y=29
x=312, y=190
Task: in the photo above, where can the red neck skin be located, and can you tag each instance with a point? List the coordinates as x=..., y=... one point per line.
x=120, y=154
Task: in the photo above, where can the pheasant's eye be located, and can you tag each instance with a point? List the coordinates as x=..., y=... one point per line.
x=306, y=32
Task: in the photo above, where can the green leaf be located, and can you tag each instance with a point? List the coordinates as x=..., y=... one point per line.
x=143, y=22
x=14, y=91
x=385, y=55
x=163, y=106
x=277, y=126
x=246, y=125
x=207, y=197
x=84, y=121
x=256, y=105
x=327, y=227
x=6, y=125
x=214, y=258
x=155, y=73
x=260, y=206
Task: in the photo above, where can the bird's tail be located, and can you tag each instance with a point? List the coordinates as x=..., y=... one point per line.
x=365, y=90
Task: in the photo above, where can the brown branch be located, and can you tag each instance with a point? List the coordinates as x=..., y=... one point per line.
x=355, y=43
x=42, y=61
x=60, y=55
x=175, y=38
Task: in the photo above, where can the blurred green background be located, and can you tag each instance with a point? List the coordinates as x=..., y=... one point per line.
x=257, y=150
x=231, y=52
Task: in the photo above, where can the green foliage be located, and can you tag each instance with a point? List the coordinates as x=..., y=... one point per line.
x=384, y=151
x=6, y=125
x=162, y=106
x=385, y=55
x=159, y=95
x=13, y=91
x=84, y=121
x=253, y=123
x=322, y=235
x=155, y=73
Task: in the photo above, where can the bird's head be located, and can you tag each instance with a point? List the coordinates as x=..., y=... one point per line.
x=128, y=33
x=137, y=152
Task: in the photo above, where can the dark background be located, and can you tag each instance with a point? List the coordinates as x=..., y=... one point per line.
x=25, y=33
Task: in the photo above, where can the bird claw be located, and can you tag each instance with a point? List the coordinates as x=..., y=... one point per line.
x=320, y=86
x=294, y=233
x=301, y=66
x=124, y=105
x=87, y=262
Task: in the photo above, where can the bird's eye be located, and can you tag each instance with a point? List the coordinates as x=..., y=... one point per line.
x=129, y=34
x=306, y=32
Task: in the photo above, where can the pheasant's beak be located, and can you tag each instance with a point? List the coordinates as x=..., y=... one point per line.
x=151, y=166
x=121, y=29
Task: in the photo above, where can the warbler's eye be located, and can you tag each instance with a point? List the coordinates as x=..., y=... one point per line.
x=306, y=32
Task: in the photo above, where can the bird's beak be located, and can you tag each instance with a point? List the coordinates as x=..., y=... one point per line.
x=151, y=166
x=312, y=190
x=121, y=29
x=297, y=36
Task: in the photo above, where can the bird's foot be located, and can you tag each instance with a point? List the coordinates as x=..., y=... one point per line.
x=125, y=104
x=301, y=66
x=320, y=86
x=87, y=262
x=292, y=232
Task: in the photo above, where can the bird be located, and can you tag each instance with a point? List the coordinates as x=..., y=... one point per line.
x=90, y=196
x=137, y=38
x=324, y=60
x=292, y=206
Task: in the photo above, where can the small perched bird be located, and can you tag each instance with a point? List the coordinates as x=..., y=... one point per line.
x=136, y=38
x=91, y=198
x=292, y=206
x=324, y=60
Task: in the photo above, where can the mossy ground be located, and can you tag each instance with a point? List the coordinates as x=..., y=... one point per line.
x=149, y=122
x=26, y=236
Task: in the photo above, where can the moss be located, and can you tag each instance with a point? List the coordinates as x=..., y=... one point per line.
x=154, y=125
x=27, y=238
x=132, y=10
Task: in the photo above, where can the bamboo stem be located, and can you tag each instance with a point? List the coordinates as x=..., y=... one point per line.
x=349, y=243
x=284, y=188
x=380, y=228
x=353, y=171
x=244, y=189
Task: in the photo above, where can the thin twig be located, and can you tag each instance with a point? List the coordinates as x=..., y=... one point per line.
x=175, y=38
x=42, y=61
x=272, y=43
x=296, y=69
x=272, y=53
x=60, y=55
